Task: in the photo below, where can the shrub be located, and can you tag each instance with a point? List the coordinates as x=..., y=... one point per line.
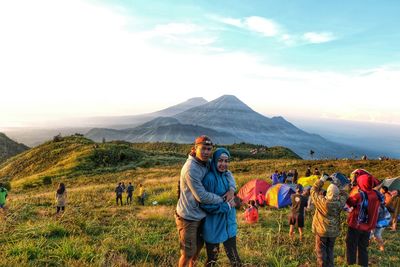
x=46, y=180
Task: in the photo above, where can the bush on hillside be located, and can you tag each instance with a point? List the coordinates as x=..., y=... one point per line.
x=110, y=155
x=6, y=185
x=46, y=180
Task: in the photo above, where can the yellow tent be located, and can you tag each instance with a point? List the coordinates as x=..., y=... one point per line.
x=310, y=180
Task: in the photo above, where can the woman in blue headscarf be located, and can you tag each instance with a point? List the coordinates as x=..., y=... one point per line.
x=220, y=223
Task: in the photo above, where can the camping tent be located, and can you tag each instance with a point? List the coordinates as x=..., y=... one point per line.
x=341, y=177
x=279, y=195
x=310, y=180
x=392, y=183
x=251, y=189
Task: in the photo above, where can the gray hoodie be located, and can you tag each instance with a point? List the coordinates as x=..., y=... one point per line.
x=192, y=190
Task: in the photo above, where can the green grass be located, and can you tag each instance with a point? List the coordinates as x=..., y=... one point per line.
x=95, y=232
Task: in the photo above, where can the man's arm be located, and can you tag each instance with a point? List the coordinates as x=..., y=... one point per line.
x=193, y=180
x=319, y=201
x=216, y=208
x=231, y=181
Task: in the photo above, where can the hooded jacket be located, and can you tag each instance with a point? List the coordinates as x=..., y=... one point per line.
x=220, y=222
x=326, y=220
x=365, y=183
x=192, y=191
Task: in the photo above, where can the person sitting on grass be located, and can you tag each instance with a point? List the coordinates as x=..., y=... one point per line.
x=251, y=213
x=299, y=202
x=326, y=220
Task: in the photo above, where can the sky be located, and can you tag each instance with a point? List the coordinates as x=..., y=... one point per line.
x=309, y=58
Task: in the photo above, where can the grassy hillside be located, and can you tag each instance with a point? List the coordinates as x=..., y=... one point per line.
x=95, y=232
x=238, y=151
x=71, y=156
x=9, y=148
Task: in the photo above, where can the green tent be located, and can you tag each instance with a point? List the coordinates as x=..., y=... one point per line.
x=392, y=183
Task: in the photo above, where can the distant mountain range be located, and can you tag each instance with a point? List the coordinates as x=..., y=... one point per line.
x=226, y=120
x=9, y=148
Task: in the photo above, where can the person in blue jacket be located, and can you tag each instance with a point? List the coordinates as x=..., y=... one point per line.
x=220, y=223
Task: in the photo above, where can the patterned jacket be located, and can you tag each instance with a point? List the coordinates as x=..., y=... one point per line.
x=326, y=220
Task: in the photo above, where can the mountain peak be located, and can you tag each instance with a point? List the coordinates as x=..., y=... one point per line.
x=196, y=100
x=229, y=102
x=188, y=104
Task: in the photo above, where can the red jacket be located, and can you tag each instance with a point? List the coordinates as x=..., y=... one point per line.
x=365, y=183
x=251, y=215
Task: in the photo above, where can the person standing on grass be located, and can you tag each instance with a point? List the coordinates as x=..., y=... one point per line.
x=362, y=218
x=308, y=172
x=129, y=192
x=118, y=193
x=3, y=196
x=326, y=220
x=61, y=198
x=220, y=223
x=275, y=177
x=188, y=214
x=394, y=208
x=299, y=202
x=141, y=194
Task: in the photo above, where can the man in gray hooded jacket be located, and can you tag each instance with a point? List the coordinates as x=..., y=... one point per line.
x=189, y=215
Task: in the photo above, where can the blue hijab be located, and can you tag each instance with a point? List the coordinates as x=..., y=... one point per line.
x=214, y=161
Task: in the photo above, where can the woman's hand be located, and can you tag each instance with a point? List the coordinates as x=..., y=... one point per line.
x=229, y=195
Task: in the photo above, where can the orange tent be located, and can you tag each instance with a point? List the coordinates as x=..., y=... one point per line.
x=252, y=188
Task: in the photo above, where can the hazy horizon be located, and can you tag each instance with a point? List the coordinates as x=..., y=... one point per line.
x=311, y=59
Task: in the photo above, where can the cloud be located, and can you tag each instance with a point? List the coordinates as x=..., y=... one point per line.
x=318, y=37
x=55, y=67
x=180, y=34
x=271, y=28
x=266, y=27
x=176, y=29
x=231, y=21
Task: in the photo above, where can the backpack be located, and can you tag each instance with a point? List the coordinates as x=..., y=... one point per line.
x=363, y=214
x=384, y=216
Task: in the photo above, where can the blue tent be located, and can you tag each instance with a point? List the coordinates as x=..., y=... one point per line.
x=278, y=195
x=341, y=177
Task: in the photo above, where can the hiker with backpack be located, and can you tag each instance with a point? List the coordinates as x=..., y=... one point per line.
x=188, y=214
x=326, y=220
x=3, y=196
x=362, y=218
x=118, y=193
x=251, y=212
x=61, y=198
x=383, y=219
x=129, y=192
x=220, y=224
x=299, y=203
